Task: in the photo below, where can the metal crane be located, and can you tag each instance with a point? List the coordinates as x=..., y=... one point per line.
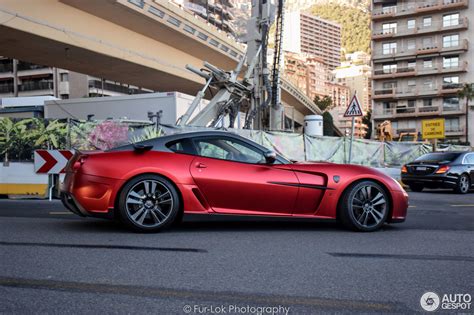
x=255, y=93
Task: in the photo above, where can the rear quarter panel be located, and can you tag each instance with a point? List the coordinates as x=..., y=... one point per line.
x=117, y=167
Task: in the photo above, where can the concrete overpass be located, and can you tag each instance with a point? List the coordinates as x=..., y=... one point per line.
x=146, y=43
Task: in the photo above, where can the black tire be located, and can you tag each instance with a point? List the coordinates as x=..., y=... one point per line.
x=376, y=213
x=463, y=184
x=153, y=205
x=416, y=187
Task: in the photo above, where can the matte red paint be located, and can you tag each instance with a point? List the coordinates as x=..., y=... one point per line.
x=210, y=185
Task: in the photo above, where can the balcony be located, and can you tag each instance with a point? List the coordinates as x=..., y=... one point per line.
x=6, y=88
x=117, y=88
x=401, y=112
x=35, y=86
x=419, y=50
x=434, y=27
x=394, y=73
x=418, y=7
x=453, y=131
x=450, y=88
x=414, y=92
x=6, y=67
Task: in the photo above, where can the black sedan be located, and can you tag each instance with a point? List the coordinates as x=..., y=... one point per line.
x=440, y=170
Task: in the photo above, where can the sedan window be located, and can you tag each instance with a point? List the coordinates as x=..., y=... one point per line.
x=469, y=159
x=438, y=157
x=228, y=149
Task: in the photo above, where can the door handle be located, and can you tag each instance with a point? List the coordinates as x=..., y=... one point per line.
x=201, y=165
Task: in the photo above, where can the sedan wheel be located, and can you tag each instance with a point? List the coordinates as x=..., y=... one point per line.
x=148, y=203
x=463, y=184
x=364, y=206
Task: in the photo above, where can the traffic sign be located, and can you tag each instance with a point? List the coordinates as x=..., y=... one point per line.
x=432, y=128
x=52, y=161
x=353, y=110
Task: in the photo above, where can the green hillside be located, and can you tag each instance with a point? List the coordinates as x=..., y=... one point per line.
x=355, y=25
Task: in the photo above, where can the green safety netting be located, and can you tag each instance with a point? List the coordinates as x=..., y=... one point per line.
x=329, y=149
x=399, y=153
x=20, y=137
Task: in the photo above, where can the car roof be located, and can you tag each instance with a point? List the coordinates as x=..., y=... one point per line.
x=159, y=143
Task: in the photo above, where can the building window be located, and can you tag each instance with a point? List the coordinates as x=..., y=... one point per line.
x=451, y=40
x=427, y=42
x=428, y=63
x=411, y=24
x=451, y=19
x=427, y=102
x=428, y=84
x=450, y=103
x=389, y=48
x=411, y=64
x=411, y=44
x=452, y=124
x=389, y=28
x=389, y=8
x=390, y=68
x=451, y=82
x=411, y=103
x=64, y=77
x=427, y=21
x=451, y=62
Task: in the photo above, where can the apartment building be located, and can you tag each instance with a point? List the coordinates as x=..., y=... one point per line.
x=358, y=78
x=306, y=33
x=422, y=53
x=307, y=72
x=20, y=78
x=345, y=123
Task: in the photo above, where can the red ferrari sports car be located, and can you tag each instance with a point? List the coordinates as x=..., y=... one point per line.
x=151, y=184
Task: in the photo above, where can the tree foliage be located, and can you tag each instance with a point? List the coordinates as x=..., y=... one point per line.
x=323, y=102
x=354, y=21
x=367, y=120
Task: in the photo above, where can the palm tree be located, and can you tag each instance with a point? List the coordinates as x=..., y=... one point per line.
x=467, y=92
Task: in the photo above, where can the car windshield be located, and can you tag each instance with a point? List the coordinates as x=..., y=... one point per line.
x=438, y=157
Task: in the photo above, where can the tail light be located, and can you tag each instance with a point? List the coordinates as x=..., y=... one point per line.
x=442, y=169
x=76, y=162
x=404, y=169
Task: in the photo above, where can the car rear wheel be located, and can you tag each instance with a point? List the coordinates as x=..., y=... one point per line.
x=364, y=206
x=148, y=203
x=416, y=187
x=463, y=184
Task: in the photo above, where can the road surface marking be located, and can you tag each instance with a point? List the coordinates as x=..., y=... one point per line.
x=60, y=212
x=462, y=205
x=411, y=206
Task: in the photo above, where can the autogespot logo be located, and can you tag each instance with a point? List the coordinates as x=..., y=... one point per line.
x=430, y=301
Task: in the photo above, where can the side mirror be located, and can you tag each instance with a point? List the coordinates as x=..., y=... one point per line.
x=270, y=157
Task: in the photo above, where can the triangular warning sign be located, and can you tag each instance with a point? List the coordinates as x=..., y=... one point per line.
x=353, y=110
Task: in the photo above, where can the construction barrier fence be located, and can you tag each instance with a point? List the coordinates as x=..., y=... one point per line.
x=20, y=137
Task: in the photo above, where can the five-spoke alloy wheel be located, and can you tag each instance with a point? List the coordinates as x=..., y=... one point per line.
x=148, y=203
x=463, y=184
x=364, y=206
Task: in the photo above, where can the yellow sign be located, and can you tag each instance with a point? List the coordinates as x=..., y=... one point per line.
x=432, y=129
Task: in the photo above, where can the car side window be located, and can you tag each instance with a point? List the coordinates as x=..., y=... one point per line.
x=470, y=158
x=181, y=146
x=228, y=149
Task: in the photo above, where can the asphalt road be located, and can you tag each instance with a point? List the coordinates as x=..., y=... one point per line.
x=54, y=262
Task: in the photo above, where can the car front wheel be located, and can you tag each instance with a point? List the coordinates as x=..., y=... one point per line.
x=463, y=184
x=148, y=203
x=364, y=206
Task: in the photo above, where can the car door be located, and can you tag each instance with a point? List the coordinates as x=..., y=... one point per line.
x=233, y=177
x=469, y=163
